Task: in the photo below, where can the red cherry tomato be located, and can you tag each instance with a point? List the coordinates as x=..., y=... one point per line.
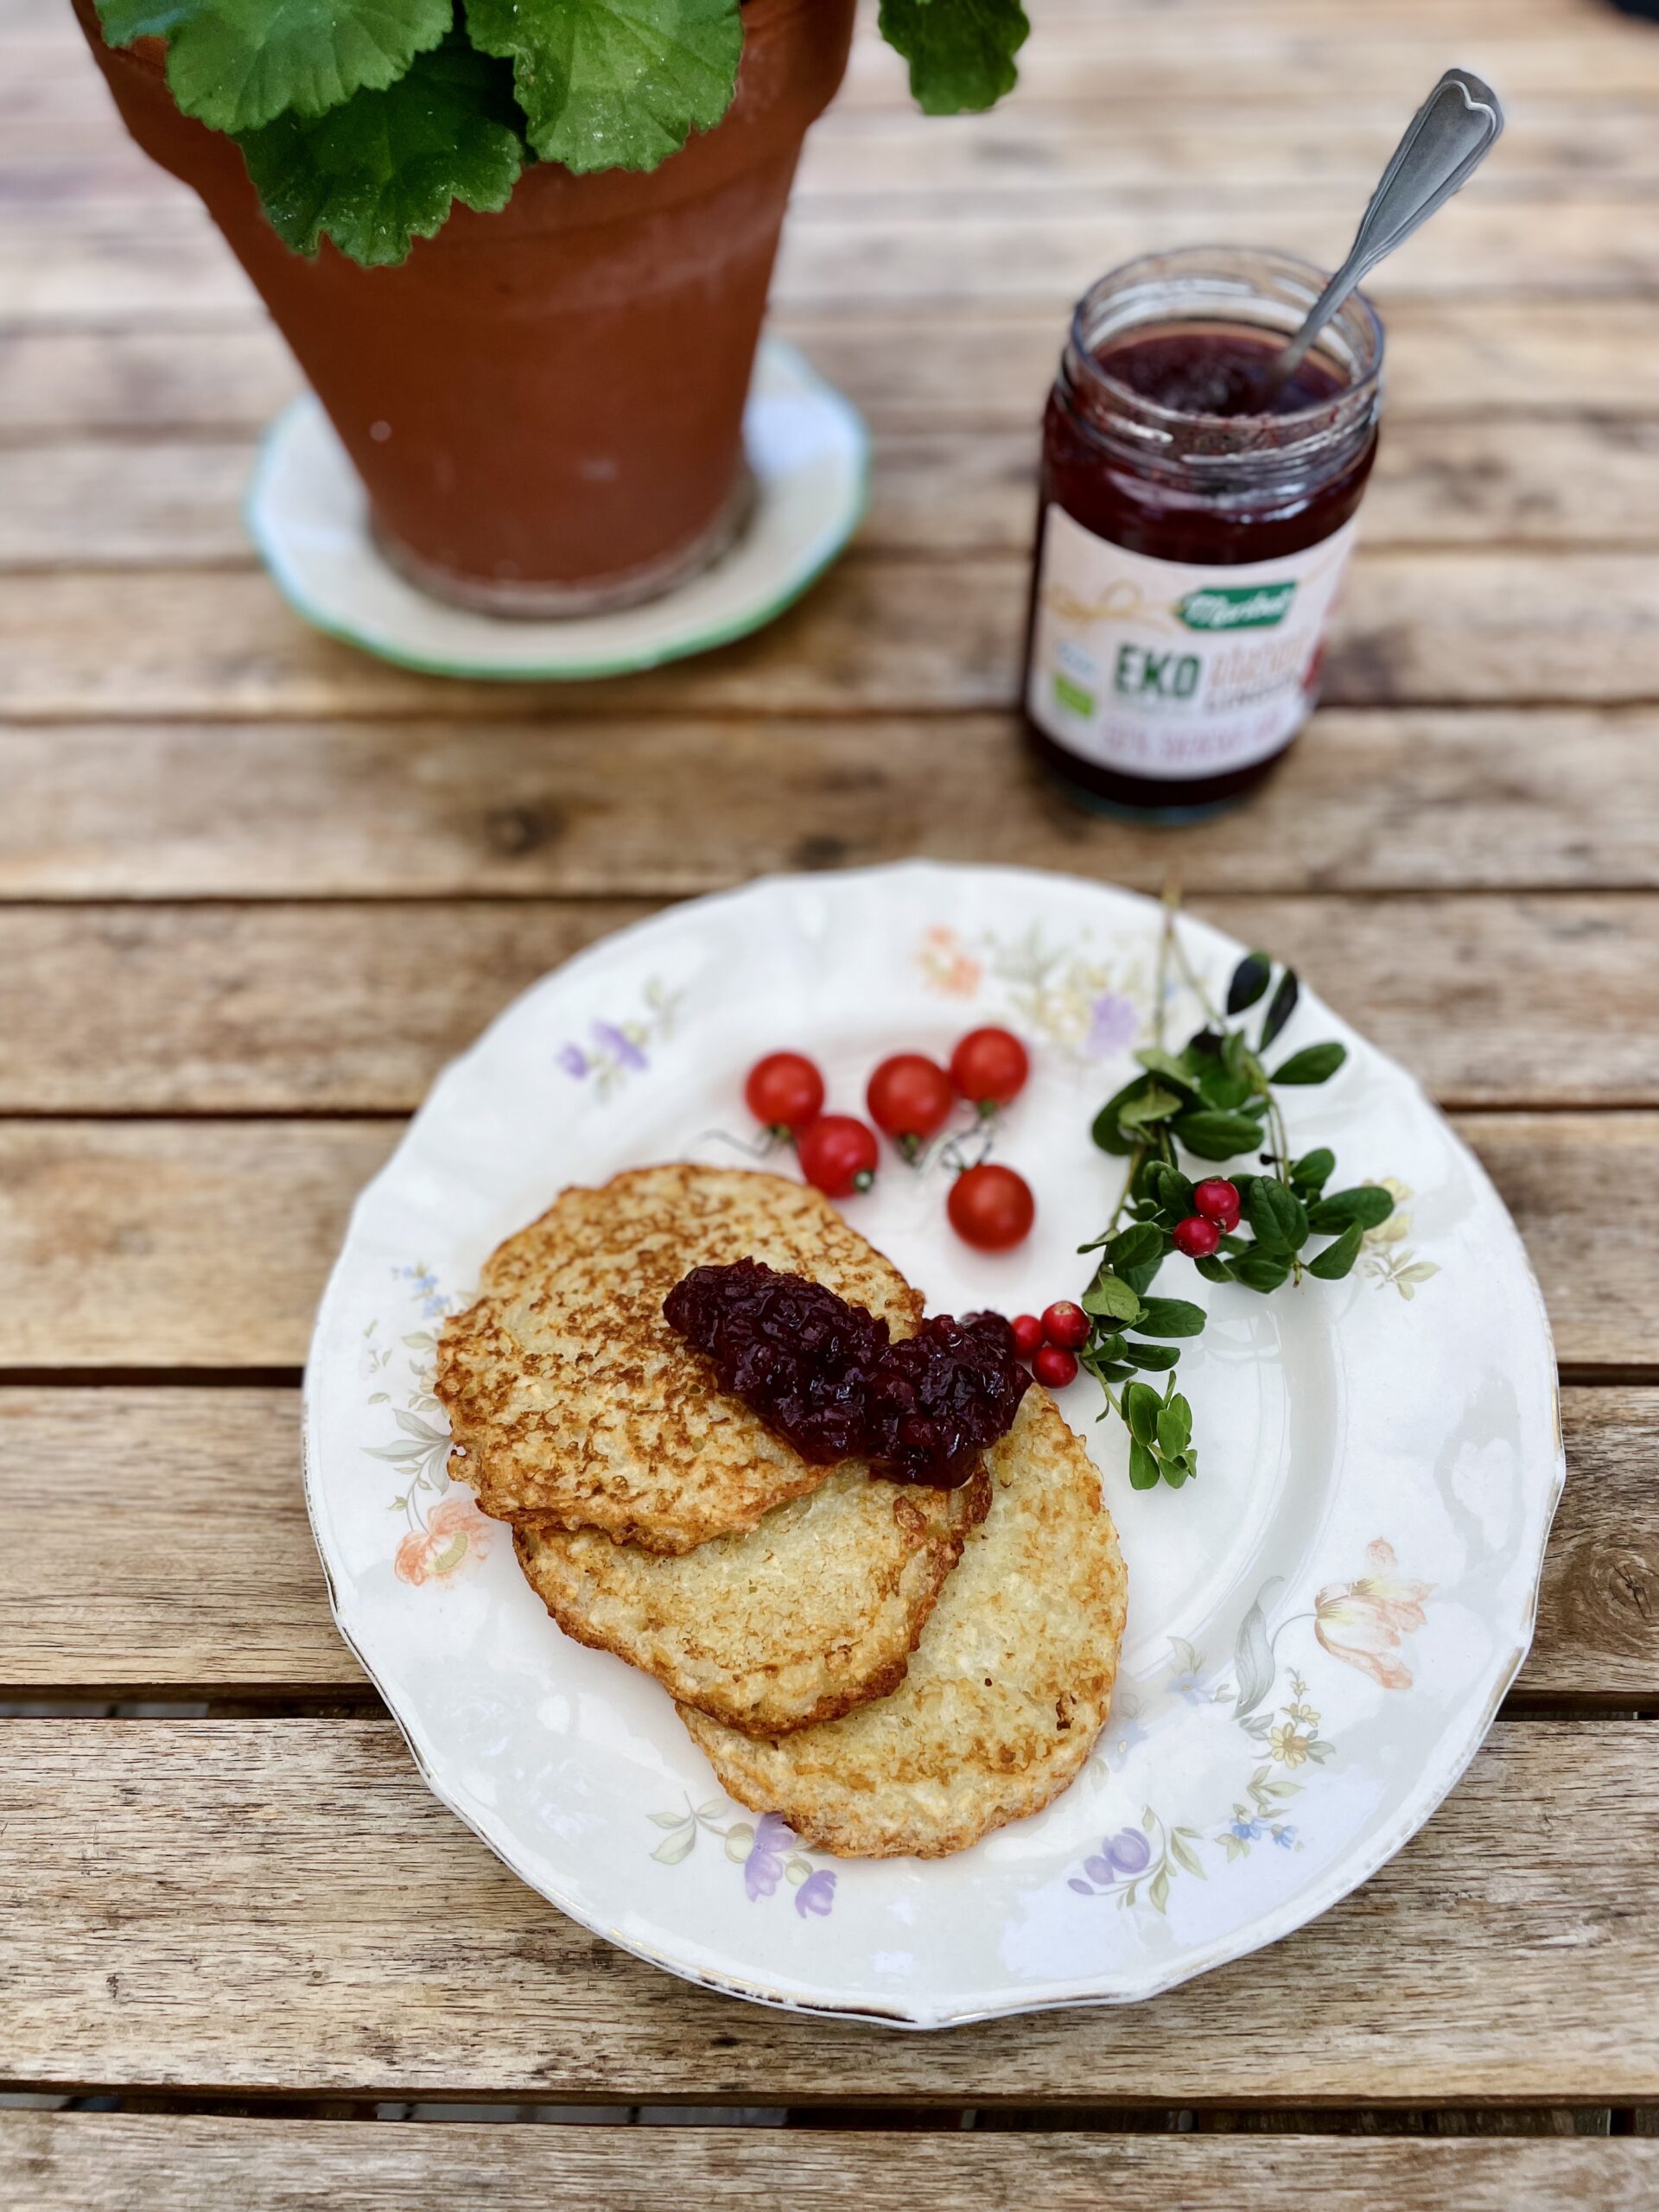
x=1066, y=1325
x=991, y=1208
x=784, y=1091
x=1217, y=1200
x=1054, y=1367
x=1027, y=1334
x=910, y=1099
x=990, y=1067
x=839, y=1155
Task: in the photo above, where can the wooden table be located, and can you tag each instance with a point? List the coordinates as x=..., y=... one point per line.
x=256, y=887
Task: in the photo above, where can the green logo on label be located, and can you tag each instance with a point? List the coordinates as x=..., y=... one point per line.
x=1073, y=696
x=1247, y=607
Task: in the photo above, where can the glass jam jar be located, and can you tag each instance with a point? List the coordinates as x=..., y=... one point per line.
x=1194, y=529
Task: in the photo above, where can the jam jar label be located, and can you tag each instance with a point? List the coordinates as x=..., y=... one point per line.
x=1167, y=672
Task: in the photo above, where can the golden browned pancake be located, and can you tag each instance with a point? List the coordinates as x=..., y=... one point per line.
x=574, y=1403
x=810, y=1614
x=1004, y=1695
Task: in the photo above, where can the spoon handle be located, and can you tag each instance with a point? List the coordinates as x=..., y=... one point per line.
x=1445, y=142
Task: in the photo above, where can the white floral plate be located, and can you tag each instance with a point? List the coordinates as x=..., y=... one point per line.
x=809, y=454
x=1320, y=1628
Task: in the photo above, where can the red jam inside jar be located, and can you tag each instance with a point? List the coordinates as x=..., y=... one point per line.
x=1195, y=525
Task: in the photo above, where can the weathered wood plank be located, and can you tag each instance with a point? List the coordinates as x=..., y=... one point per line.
x=966, y=367
x=282, y=1904
x=103, y=2162
x=206, y=1245
x=106, y=503
x=1492, y=1001
x=190, y=1569
x=111, y=1225
x=1380, y=800
x=1164, y=156
x=168, y=265
x=880, y=635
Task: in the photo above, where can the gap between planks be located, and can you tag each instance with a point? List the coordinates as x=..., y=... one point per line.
x=205, y=1552
x=282, y=1905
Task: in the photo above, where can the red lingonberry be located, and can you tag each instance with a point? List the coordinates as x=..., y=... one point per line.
x=1054, y=1367
x=1027, y=1333
x=1217, y=1200
x=1196, y=1236
x=1066, y=1325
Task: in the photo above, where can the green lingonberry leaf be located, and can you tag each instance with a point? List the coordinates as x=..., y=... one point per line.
x=1156, y=1359
x=961, y=51
x=1143, y=1468
x=1277, y=1215
x=1312, y=1172
x=1370, y=1205
x=236, y=64
x=614, y=84
x=1132, y=1248
x=1250, y=979
x=1338, y=1259
x=1280, y=1006
x=1141, y=1405
x=1110, y=1298
x=1170, y=1316
x=1261, y=1271
x=1313, y=1064
x=385, y=168
x=1215, y=1270
x=1214, y=1136
x=1174, y=1427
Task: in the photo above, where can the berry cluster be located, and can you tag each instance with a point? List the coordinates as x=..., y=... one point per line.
x=910, y=1099
x=1049, y=1343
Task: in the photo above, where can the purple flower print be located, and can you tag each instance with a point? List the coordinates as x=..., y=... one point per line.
x=1129, y=1851
x=1249, y=1831
x=817, y=1894
x=1113, y=1023
x=764, y=1867
x=573, y=1060
x=622, y=1046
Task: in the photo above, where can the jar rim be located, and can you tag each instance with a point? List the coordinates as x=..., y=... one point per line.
x=1196, y=263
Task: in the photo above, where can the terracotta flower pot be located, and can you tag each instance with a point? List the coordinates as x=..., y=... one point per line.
x=546, y=405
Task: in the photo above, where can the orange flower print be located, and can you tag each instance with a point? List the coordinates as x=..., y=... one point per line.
x=947, y=965
x=456, y=1532
x=1363, y=1623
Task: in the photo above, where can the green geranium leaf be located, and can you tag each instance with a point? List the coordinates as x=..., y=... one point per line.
x=237, y=64
x=614, y=84
x=961, y=51
x=386, y=168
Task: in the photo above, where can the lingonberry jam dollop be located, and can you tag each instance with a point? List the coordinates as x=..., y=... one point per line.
x=825, y=1375
x=795, y=1354
x=940, y=1398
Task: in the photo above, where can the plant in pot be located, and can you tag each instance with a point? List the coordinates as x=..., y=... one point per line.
x=521, y=248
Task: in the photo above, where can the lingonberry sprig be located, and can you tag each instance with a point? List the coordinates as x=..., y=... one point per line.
x=1214, y=1100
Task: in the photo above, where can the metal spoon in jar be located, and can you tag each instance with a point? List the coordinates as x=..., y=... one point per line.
x=1445, y=142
